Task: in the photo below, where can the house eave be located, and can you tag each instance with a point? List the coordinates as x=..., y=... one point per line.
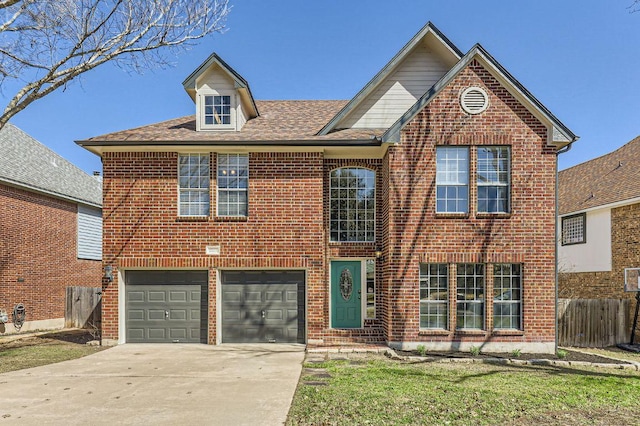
x=32, y=188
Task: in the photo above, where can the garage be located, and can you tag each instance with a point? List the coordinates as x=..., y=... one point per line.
x=166, y=306
x=263, y=306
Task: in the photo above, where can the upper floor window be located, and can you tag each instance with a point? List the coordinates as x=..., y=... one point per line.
x=574, y=229
x=452, y=179
x=233, y=183
x=493, y=179
x=352, y=204
x=193, y=184
x=217, y=110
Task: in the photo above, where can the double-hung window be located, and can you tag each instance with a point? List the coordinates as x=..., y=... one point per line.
x=507, y=296
x=493, y=179
x=434, y=295
x=452, y=179
x=233, y=183
x=193, y=182
x=470, y=296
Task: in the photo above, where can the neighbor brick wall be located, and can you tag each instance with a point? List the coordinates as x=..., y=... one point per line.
x=284, y=228
x=38, y=244
x=417, y=234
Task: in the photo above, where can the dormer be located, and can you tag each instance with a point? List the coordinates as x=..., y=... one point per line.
x=223, y=99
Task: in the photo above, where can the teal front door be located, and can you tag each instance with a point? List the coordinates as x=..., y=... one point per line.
x=346, y=302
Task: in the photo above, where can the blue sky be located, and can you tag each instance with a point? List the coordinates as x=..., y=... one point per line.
x=579, y=58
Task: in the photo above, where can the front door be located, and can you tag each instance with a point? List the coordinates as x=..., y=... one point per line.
x=346, y=304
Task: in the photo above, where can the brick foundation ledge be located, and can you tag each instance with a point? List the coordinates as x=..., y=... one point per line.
x=497, y=347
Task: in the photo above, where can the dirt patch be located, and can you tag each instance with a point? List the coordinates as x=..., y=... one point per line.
x=596, y=417
x=77, y=336
x=571, y=356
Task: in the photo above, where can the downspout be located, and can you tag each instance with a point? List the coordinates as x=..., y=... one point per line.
x=562, y=150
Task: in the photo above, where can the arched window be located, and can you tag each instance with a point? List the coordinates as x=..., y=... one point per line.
x=353, y=204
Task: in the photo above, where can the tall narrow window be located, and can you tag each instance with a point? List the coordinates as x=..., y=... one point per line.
x=193, y=184
x=353, y=204
x=233, y=183
x=434, y=295
x=470, y=296
x=507, y=296
x=452, y=179
x=217, y=110
x=493, y=179
x=371, y=289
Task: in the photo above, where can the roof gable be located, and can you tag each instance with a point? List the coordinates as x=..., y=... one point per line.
x=559, y=135
x=428, y=34
x=241, y=85
x=28, y=164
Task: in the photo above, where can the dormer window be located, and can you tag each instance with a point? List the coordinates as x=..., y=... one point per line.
x=217, y=110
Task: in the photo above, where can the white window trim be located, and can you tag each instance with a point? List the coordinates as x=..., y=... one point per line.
x=179, y=189
x=375, y=204
x=229, y=190
x=500, y=184
x=200, y=122
x=458, y=185
x=446, y=302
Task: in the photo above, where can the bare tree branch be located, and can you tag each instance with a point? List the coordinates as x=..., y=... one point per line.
x=634, y=7
x=46, y=44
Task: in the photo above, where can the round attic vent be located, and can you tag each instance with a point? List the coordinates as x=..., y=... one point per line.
x=474, y=100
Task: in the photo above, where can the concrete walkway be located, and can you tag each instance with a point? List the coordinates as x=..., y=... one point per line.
x=158, y=384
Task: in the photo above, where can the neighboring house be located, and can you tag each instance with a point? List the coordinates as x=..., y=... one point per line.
x=421, y=211
x=599, y=224
x=50, y=230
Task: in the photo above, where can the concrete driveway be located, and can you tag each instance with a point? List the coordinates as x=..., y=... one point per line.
x=158, y=384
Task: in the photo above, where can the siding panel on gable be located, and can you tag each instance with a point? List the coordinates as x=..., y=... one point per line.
x=413, y=77
x=89, y=233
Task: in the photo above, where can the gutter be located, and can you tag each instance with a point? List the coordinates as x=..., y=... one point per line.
x=313, y=142
x=562, y=150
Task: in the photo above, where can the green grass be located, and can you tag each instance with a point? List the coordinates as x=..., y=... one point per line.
x=34, y=351
x=387, y=392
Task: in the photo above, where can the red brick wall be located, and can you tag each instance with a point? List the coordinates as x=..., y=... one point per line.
x=38, y=245
x=417, y=234
x=284, y=228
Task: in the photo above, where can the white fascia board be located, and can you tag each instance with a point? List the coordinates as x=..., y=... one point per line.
x=604, y=206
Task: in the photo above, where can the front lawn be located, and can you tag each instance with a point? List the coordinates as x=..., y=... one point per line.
x=378, y=391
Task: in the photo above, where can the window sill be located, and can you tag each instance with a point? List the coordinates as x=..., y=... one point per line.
x=231, y=218
x=508, y=332
x=192, y=219
x=493, y=215
x=470, y=332
x=452, y=215
x=433, y=332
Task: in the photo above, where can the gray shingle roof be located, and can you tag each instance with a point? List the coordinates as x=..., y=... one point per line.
x=604, y=180
x=27, y=163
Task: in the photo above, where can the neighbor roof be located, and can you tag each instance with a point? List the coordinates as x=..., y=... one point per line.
x=28, y=164
x=279, y=121
x=609, y=179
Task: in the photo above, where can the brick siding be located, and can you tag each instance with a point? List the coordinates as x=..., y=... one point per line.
x=38, y=253
x=288, y=221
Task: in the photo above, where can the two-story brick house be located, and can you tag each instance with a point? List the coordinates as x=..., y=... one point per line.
x=421, y=211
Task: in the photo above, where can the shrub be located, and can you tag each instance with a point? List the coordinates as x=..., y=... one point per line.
x=422, y=350
x=475, y=350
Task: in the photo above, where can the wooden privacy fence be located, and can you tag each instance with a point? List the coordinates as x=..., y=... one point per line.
x=83, y=308
x=593, y=323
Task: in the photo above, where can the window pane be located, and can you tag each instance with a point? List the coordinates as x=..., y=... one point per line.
x=452, y=177
x=434, y=296
x=573, y=229
x=352, y=203
x=507, y=296
x=193, y=183
x=493, y=179
x=233, y=183
x=470, y=296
